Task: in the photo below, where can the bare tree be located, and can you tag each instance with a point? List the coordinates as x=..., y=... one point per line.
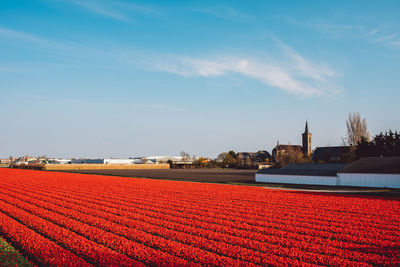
x=185, y=158
x=356, y=129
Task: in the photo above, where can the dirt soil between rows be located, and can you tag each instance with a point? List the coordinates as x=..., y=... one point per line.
x=238, y=177
x=194, y=175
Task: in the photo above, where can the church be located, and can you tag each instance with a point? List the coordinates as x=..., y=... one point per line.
x=305, y=149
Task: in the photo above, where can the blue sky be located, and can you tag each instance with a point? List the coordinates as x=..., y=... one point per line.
x=128, y=78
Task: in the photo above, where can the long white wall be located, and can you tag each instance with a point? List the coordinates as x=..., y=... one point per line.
x=296, y=179
x=343, y=179
x=369, y=180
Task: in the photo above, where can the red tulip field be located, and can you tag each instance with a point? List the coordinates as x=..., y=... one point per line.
x=56, y=218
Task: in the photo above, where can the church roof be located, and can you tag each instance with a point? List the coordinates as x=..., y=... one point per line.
x=288, y=146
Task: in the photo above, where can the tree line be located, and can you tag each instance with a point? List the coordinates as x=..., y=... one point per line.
x=362, y=145
x=382, y=145
x=358, y=144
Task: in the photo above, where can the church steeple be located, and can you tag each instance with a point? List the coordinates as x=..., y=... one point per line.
x=307, y=141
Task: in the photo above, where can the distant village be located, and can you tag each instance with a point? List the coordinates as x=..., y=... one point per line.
x=281, y=155
x=362, y=162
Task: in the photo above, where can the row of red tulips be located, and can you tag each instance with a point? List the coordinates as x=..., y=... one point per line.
x=253, y=226
x=123, y=221
x=310, y=214
x=174, y=242
x=342, y=227
x=327, y=249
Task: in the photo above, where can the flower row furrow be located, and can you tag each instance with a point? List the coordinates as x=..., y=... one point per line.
x=256, y=227
x=339, y=224
x=40, y=249
x=276, y=207
x=196, y=223
x=120, y=244
x=330, y=255
x=155, y=241
x=279, y=224
x=88, y=250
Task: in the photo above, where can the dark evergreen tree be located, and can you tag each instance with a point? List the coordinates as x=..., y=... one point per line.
x=382, y=145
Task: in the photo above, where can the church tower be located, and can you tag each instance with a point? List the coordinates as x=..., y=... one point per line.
x=307, y=141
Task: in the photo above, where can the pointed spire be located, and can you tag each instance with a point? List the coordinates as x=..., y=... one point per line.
x=306, y=130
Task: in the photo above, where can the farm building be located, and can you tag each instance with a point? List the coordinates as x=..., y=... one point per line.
x=366, y=172
x=106, y=161
x=372, y=172
x=59, y=161
x=301, y=173
x=178, y=160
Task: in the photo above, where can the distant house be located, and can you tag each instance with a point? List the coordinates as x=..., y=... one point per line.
x=330, y=153
x=246, y=156
x=258, y=157
x=5, y=161
x=261, y=156
x=372, y=172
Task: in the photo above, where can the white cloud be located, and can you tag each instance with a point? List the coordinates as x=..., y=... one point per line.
x=396, y=43
x=8, y=34
x=97, y=7
x=113, y=9
x=319, y=72
x=289, y=71
x=385, y=34
x=222, y=12
x=296, y=75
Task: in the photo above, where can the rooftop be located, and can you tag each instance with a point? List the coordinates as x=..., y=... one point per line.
x=389, y=165
x=310, y=169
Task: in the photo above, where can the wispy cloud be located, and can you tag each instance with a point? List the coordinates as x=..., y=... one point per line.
x=9, y=34
x=32, y=41
x=296, y=75
x=396, y=43
x=288, y=70
x=222, y=12
x=375, y=35
x=113, y=9
x=381, y=34
x=97, y=7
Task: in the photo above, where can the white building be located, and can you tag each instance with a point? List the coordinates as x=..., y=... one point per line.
x=106, y=161
x=301, y=173
x=59, y=161
x=175, y=159
x=366, y=172
x=372, y=172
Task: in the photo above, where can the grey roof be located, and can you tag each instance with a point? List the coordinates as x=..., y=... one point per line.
x=288, y=146
x=328, y=153
x=374, y=165
x=309, y=169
